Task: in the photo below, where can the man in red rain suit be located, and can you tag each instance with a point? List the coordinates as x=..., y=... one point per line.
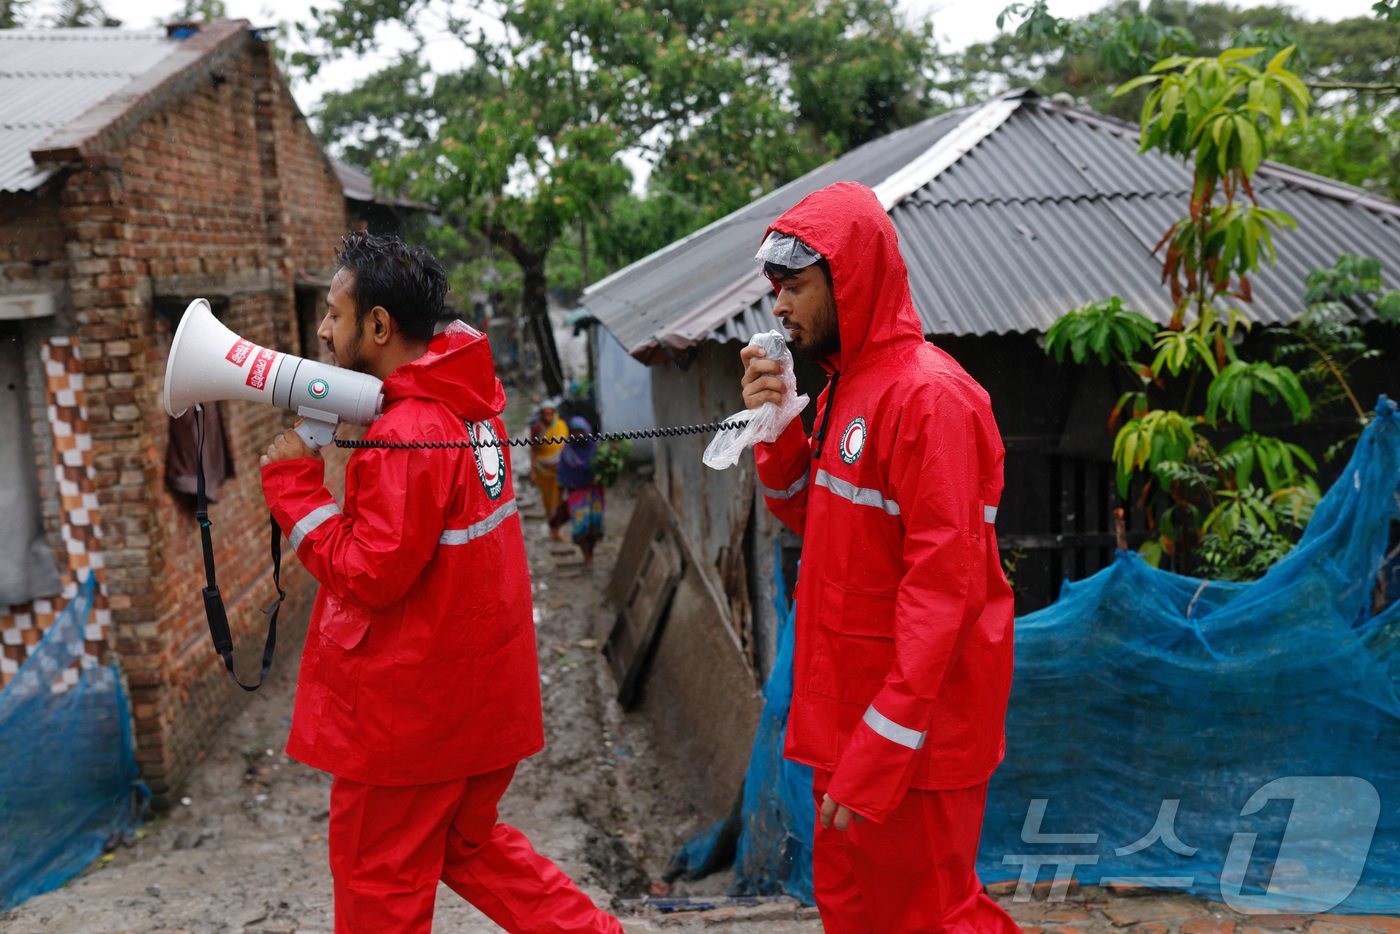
x=902, y=664
x=419, y=685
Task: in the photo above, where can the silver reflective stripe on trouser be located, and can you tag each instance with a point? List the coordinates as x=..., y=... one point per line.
x=310, y=523
x=798, y=486
x=856, y=494
x=893, y=731
x=989, y=514
x=478, y=529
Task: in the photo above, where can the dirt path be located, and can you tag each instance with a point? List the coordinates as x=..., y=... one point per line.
x=246, y=850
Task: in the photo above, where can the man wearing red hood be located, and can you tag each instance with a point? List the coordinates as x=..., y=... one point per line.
x=419, y=684
x=902, y=665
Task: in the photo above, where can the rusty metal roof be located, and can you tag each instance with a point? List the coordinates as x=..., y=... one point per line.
x=1008, y=215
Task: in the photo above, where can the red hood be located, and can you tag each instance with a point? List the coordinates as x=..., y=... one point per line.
x=457, y=370
x=848, y=226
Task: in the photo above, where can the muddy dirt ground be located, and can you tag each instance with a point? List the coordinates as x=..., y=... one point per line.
x=245, y=850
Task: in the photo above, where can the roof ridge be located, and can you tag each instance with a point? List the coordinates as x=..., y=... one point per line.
x=952, y=146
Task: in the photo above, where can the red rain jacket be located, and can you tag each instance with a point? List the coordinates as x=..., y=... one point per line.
x=419, y=665
x=902, y=664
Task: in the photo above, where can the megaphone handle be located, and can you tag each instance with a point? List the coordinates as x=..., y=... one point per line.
x=314, y=429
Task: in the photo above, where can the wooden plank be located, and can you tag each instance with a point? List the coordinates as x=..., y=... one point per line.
x=629, y=645
x=649, y=512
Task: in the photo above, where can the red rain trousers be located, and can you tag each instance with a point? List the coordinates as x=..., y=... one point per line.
x=390, y=846
x=913, y=873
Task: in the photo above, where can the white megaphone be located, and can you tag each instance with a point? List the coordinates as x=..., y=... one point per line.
x=210, y=363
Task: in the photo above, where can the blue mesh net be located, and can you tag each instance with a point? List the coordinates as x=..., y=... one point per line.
x=1231, y=740
x=68, y=778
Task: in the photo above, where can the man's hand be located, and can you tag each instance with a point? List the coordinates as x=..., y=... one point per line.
x=837, y=815
x=761, y=380
x=287, y=446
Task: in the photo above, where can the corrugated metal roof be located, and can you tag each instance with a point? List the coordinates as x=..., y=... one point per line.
x=707, y=284
x=49, y=77
x=358, y=185
x=1052, y=209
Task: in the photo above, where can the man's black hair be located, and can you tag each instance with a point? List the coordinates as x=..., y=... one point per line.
x=780, y=274
x=406, y=280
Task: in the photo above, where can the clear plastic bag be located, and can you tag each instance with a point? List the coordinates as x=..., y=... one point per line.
x=766, y=422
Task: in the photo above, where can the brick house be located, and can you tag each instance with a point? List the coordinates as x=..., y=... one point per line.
x=138, y=170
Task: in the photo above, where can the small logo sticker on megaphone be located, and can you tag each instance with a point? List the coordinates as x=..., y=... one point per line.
x=238, y=353
x=318, y=388
x=257, y=374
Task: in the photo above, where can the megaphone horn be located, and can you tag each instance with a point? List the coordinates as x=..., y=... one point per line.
x=210, y=363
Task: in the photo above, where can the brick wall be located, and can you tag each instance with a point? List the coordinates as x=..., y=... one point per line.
x=225, y=194
x=33, y=258
x=304, y=174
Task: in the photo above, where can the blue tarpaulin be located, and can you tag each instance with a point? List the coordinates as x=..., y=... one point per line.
x=68, y=779
x=1236, y=741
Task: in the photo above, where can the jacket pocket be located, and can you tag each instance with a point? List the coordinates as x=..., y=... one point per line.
x=814, y=661
x=343, y=624
x=341, y=654
x=865, y=613
x=854, y=645
x=865, y=663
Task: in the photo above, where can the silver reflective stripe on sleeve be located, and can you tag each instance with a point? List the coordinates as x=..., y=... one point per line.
x=310, y=523
x=989, y=514
x=856, y=494
x=478, y=529
x=798, y=486
x=893, y=731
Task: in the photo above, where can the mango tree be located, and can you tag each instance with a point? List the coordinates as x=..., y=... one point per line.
x=1232, y=498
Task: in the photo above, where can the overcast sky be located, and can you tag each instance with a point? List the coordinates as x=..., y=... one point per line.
x=956, y=23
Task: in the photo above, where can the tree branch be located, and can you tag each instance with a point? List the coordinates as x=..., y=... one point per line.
x=1336, y=372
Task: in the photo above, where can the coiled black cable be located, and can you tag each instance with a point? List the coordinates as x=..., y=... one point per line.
x=586, y=438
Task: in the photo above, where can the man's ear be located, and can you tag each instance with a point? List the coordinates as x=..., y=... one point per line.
x=381, y=325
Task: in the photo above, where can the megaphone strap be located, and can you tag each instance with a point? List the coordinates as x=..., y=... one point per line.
x=214, y=610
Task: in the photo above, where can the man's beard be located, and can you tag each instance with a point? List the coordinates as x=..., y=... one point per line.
x=825, y=345
x=349, y=357
x=820, y=344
